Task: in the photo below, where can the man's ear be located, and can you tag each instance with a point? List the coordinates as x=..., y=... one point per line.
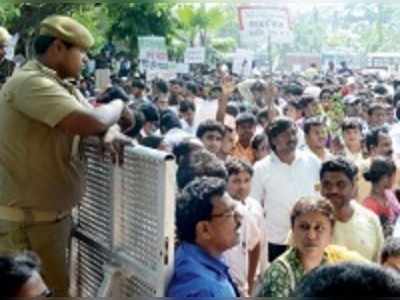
x=203, y=230
x=58, y=45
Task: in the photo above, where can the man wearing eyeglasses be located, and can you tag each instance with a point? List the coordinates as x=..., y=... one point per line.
x=20, y=277
x=208, y=224
x=6, y=66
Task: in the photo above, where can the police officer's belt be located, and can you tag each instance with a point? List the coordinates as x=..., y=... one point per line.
x=14, y=214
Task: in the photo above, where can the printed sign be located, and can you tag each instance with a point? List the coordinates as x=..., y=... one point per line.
x=258, y=23
x=196, y=55
x=152, y=53
x=242, y=62
x=103, y=80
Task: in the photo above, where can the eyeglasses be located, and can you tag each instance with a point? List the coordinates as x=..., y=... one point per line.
x=232, y=212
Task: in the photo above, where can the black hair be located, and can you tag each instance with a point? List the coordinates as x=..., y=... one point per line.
x=209, y=125
x=199, y=163
x=263, y=114
x=112, y=93
x=380, y=167
x=152, y=141
x=191, y=87
x=278, y=126
x=257, y=86
x=138, y=84
x=232, y=109
x=349, y=279
x=257, y=140
x=195, y=204
x=339, y=164
x=176, y=81
x=294, y=89
x=150, y=112
x=161, y=85
x=398, y=110
x=312, y=122
x=234, y=166
x=42, y=43
x=15, y=271
x=351, y=123
x=168, y=121
x=306, y=100
x=296, y=104
x=372, y=138
x=246, y=118
x=139, y=122
x=380, y=90
x=325, y=91
x=375, y=106
x=390, y=248
x=185, y=148
x=186, y=105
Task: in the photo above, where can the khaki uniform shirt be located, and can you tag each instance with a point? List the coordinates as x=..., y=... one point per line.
x=39, y=168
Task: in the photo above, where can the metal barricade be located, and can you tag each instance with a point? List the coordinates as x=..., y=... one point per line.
x=123, y=244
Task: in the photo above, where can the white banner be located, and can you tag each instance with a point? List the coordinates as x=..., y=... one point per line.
x=242, y=62
x=153, y=53
x=196, y=55
x=167, y=72
x=103, y=80
x=182, y=68
x=259, y=22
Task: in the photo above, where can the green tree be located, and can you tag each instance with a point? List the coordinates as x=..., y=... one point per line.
x=198, y=23
x=131, y=20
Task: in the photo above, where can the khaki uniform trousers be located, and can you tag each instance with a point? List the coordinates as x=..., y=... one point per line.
x=49, y=241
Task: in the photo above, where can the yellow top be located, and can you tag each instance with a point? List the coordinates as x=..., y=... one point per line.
x=337, y=254
x=39, y=164
x=68, y=30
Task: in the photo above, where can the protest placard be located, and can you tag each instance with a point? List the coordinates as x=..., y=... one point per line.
x=258, y=23
x=182, y=68
x=242, y=62
x=152, y=53
x=195, y=55
x=103, y=80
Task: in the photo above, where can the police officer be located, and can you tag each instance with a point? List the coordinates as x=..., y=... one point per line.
x=42, y=119
x=6, y=66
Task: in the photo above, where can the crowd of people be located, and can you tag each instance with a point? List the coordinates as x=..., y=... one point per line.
x=287, y=184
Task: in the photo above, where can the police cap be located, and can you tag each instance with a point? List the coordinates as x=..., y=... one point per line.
x=68, y=30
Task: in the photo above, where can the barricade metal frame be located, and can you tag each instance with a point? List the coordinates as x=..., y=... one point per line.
x=123, y=243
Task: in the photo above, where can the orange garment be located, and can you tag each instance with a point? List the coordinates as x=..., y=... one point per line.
x=241, y=152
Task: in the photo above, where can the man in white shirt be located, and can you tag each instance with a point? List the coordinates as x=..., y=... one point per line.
x=171, y=128
x=356, y=227
x=187, y=110
x=281, y=179
x=245, y=258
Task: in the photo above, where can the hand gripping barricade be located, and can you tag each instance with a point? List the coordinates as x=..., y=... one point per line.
x=123, y=242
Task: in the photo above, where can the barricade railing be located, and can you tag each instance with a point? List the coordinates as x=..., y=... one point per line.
x=123, y=241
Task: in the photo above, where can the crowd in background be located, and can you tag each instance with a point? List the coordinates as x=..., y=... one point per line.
x=281, y=177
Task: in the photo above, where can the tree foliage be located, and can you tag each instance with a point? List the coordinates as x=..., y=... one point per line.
x=131, y=20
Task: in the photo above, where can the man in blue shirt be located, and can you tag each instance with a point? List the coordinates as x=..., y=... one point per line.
x=207, y=224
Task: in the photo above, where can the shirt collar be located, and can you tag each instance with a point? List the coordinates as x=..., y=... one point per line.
x=37, y=64
x=211, y=262
x=276, y=159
